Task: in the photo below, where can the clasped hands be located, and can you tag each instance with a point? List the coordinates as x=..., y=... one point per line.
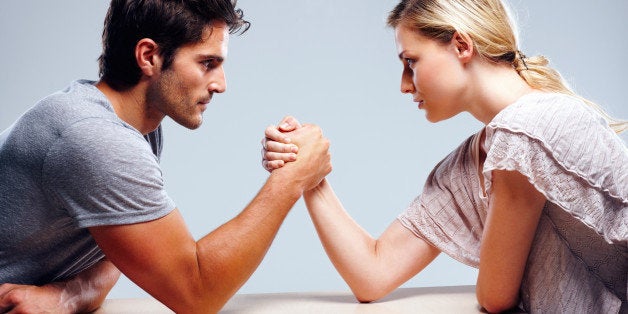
x=303, y=147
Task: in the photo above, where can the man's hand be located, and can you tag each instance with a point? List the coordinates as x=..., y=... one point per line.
x=33, y=299
x=313, y=161
x=277, y=146
x=82, y=293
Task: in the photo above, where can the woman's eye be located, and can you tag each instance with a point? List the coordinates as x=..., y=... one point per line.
x=409, y=61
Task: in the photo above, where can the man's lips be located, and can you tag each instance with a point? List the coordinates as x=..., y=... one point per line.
x=205, y=101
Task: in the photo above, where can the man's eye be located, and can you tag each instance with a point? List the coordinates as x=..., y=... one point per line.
x=208, y=64
x=409, y=61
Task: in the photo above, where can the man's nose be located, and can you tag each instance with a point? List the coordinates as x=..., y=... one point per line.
x=218, y=83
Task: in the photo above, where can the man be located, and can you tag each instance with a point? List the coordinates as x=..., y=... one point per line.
x=80, y=185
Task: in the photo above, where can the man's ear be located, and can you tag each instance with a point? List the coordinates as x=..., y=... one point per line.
x=463, y=45
x=147, y=56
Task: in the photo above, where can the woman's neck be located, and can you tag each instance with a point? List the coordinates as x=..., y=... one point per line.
x=494, y=87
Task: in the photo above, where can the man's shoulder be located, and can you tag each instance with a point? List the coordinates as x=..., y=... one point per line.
x=79, y=113
x=81, y=98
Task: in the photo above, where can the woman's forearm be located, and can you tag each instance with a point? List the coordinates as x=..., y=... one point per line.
x=371, y=267
x=351, y=249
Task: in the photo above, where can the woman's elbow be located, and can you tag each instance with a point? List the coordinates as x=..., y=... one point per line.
x=369, y=293
x=366, y=298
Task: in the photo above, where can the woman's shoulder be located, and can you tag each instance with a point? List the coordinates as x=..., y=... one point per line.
x=558, y=134
x=544, y=112
x=552, y=118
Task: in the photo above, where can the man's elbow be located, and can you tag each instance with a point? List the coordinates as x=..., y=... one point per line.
x=201, y=305
x=497, y=304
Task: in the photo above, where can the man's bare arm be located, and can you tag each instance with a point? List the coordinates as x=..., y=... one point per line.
x=84, y=292
x=189, y=276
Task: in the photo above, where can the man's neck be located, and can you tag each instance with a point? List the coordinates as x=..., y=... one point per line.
x=131, y=107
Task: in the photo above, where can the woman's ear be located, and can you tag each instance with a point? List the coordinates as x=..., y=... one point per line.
x=463, y=45
x=147, y=56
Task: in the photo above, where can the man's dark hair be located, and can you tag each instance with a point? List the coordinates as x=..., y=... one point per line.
x=170, y=23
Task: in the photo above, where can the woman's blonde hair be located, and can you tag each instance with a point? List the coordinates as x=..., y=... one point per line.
x=492, y=31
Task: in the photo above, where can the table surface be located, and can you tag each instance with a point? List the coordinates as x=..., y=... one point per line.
x=457, y=299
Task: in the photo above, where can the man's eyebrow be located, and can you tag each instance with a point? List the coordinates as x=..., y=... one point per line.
x=215, y=57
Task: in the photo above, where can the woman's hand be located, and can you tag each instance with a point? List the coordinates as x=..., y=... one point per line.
x=277, y=147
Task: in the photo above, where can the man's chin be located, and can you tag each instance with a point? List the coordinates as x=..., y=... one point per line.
x=190, y=124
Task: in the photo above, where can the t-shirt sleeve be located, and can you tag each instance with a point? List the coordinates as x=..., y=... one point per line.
x=103, y=173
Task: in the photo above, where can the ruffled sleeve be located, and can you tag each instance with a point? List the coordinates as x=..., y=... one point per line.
x=448, y=214
x=568, y=152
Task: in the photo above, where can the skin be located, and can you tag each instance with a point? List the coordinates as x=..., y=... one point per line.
x=80, y=294
x=444, y=79
x=186, y=275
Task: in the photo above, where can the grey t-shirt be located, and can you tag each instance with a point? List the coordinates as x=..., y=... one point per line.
x=67, y=164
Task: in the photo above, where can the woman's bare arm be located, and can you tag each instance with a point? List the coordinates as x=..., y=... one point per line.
x=371, y=267
x=515, y=207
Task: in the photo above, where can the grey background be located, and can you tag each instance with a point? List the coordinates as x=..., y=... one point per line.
x=327, y=62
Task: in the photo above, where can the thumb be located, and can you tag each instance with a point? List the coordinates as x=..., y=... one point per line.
x=289, y=123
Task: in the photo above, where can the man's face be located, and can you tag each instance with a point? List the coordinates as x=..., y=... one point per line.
x=183, y=91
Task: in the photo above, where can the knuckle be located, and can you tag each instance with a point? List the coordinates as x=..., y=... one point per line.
x=14, y=296
x=268, y=156
x=326, y=143
x=269, y=130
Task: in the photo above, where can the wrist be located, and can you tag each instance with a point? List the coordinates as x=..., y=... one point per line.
x=317, y=190
x=64, y=292
x=288, y=184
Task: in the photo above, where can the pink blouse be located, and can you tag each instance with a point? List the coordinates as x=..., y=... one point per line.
x=579, y=258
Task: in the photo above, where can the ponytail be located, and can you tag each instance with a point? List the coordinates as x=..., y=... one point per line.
x=489, y=25
x=536, y=72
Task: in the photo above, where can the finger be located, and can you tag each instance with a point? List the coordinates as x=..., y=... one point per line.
x=272, y=165
x=288, y=124
x=273, y=133
x=6, y=288
x=263, y=142
x=7, y=301
x=277, y=147
x=270, y=156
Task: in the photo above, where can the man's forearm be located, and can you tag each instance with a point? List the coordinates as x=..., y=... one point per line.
x=86, y=291
x=244, y=240
x=162, y=257
x=83, y=293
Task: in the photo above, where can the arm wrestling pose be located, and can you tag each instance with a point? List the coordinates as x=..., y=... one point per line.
x=537, y=199
x=81, y=190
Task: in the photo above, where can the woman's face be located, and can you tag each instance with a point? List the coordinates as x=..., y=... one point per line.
x=432, y=73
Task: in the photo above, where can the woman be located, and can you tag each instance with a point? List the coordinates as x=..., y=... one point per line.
x=537, y=199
